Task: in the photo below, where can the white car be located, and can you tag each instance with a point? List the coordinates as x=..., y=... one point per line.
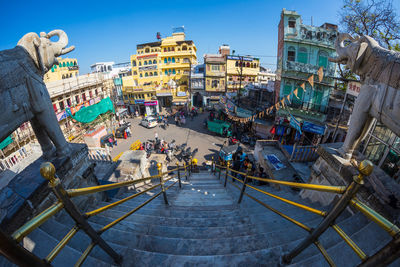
x=149, y=122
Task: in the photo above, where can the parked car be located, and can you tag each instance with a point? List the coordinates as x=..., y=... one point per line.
x=120, y=132
x=149, y=122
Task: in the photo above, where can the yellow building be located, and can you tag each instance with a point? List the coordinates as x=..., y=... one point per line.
x=239, y=66
x=160, y=72
x=66, y=68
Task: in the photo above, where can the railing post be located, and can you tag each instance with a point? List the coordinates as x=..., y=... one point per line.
x=219, y=173
x=48, y=171
x=186, y=171
x=190, y=166
x=179, y=175
x=226, y=173
x=365, y=168
x=244, y=183
x=159, y=168
x=212, y=165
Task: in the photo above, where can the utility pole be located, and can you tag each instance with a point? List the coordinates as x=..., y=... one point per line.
x=240, y=79
x=190, y=82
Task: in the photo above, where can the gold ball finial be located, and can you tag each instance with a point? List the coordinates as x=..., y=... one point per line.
x=159, y=165
x=249, y=166
x=366, y=167
x=48, y=171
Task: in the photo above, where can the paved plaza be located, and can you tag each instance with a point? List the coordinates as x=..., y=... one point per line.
x=192, y=133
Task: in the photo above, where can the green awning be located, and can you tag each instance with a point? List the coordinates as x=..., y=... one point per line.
x=6, y=142
x=90, y=113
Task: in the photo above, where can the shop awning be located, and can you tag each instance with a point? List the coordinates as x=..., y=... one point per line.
x=90, y=113
x=6, y=142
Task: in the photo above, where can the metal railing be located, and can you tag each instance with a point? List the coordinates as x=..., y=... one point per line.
x=12, y=250
x=348, y=197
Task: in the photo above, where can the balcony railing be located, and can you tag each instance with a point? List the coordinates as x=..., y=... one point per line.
x=307, y=68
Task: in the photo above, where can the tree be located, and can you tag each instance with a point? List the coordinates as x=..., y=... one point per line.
x=375, y=18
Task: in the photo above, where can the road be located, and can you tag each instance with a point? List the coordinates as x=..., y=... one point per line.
x=193, y=134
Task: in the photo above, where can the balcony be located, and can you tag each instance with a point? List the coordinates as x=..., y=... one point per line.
x=307, y=68
x=313, y=35
x=216, y=89
x=180, y=53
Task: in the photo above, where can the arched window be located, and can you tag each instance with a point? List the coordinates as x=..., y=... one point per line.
x=248, y=64
x=291, y=54
x=145, y=75
x=166, y=72
x=135, y=72
x=75, y=63
x=165, y=60
x=63, y=76
x=134, y=63
x=184, y=48
x=140, y=63
x=150, y=74
x=155, y=73
x=63, y=64
x=292, y=22
x=147, y=50
x=237, y=64
x=173, y=71
x=302, y=57
x=145, y=62
x=323, y=59
x=173, y=60
x=60, y=65
x=169, y=59
x=70, y=75
x=154, y=61
x=141, y=75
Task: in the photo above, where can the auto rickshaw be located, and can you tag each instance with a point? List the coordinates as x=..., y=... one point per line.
x=120, y=132
x=105, y=140
x=226, y=153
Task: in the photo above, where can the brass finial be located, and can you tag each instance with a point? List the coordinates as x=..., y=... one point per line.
x=159, y=165
x=47, y=170
x=177, y=163
x=366, y=167
x=249, y=166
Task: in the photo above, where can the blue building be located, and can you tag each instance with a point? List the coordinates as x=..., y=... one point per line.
x=302, y=50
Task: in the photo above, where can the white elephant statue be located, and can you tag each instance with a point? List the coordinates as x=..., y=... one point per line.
x=379, y=98
x=23, y=94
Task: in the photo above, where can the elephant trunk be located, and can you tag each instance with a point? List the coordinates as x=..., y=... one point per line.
x=61, y=43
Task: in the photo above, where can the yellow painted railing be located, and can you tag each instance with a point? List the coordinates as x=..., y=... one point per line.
x=48, y=172
x=348, y=193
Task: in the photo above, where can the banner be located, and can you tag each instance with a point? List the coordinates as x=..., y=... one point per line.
x=353, y=88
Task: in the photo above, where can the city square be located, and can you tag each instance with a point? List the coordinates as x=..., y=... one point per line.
x=212, y=133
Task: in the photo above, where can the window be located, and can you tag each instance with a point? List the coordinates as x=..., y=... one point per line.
x=155, y=73
x=61, y=104
x=302, y=57
x=75, y=63
x=135, y=72
x=237, y=64
x=95, y=92
x=134, y=63
x=109, y=68
x=83, y=97
x=323, y=59
x=173, y=71
x=63, y=76
x=166, y=72
x=154, y=61
x=145, y=75
x=208, y=82
x=179, y=71
x=173, y=60
x=141, y=75
x=140, y=63
x=145, y=63
x=215, y=67
x=150, y=74
x=165, y=60
x=90, y=94
x=165, y=49
x=77, y=99
x=291, y=56
x=63, y=64
x=169, y=59
x=292, y=22
x=184, y=48
x=248, y=64
x=69, y=102
x=147, y=50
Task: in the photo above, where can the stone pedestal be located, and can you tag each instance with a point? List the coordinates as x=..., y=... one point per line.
x=331, y=169
x=28, y=193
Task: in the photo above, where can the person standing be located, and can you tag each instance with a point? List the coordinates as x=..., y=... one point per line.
x=156, y=136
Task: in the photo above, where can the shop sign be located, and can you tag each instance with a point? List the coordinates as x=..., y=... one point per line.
x=295, y=123
x=180, y=93
x=151, y=103
x=353, y=88
x=313, y=128
x=240, y=58
x=139, y=101
x=164, y=94
x=62, y=115
x=147, y=56
x=154, y=67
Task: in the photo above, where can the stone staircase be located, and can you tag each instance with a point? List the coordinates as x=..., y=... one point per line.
x=204, y=226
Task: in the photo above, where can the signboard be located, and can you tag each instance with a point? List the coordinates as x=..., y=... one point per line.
x=148, y=67
x=163, y=94
x=180, y=93
x=139, y=101
x=240, y=58
x=313, y=128
x=353, y=88
x=151, y=103
x=62, y=115
x=295, y=123
x=147, y=56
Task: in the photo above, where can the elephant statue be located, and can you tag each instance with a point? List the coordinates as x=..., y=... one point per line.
x=379, y=98
x=23, y=94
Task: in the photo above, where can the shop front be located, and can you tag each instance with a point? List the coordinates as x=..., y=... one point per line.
x=165, y=98
x=151, y=107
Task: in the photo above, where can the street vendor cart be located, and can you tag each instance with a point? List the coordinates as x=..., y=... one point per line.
x=222, y=128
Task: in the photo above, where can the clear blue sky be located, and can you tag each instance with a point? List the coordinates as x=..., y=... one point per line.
x=110, y=30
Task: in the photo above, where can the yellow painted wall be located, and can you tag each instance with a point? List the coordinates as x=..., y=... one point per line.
x=67, y=67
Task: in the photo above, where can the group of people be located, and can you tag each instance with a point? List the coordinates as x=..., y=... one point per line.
x=180, y=118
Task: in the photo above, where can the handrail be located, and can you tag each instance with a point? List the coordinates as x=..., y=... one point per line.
x=322, y=188
x=304, y=207
x=85, y=254
x=36, y=221
x=384, y=223
x=62, y=244
x=350, y=242
x=116, y=203
x=324, y=253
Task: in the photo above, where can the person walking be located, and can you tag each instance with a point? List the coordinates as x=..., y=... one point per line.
x=156, y=136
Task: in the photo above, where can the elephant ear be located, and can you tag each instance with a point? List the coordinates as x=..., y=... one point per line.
x=360, y=55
